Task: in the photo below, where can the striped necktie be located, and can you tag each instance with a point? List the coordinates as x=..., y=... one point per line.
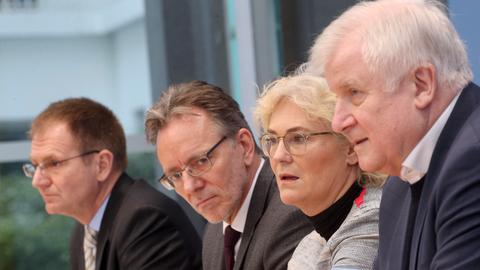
x=90, y=247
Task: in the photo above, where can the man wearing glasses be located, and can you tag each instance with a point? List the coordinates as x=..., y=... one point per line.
x=78, y=160
x=210, y=158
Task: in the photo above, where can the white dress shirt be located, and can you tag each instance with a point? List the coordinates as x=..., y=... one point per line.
x=415, y=166
x=240, y=219
x=97, y=219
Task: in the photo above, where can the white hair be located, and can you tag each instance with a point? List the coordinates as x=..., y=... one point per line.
x=395, y=37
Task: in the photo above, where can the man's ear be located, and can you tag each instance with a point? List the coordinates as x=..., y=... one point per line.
x=352, y=158
x=425, y=84
x=246, y=141
x=104, y=164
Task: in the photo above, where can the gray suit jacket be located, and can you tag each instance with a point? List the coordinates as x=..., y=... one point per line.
x=272, y=231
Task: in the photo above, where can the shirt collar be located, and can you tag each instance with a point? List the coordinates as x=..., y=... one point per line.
x=240, y=219
x=97, y=219
x=415, y=166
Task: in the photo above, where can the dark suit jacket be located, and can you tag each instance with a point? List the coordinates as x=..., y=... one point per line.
x=435, y=223
x=272, y=231
x=141, y=229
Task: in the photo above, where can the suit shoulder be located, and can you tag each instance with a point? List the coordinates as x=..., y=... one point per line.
x=143, y=194
x=143, y=205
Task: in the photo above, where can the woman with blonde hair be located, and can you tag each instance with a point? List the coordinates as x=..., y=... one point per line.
x=317, y=171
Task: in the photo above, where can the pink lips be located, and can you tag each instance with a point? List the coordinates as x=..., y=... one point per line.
x=288, y=177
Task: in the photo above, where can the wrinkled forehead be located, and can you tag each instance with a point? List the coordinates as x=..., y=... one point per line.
x=194, y=115
x=187, y=126
x=184, y=137
x=347, y=48
x=338, y=68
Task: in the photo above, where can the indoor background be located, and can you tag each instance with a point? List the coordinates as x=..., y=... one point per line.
x=123, y=53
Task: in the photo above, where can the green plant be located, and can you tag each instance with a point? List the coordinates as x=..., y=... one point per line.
x=30, y=238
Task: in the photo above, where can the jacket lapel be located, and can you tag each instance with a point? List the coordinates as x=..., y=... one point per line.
x=258, y=204
x=117, y=195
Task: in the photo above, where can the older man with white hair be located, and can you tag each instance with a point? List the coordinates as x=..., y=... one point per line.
x=407, y=103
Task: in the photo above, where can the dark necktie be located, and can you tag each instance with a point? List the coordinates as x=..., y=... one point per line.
x=231, y=238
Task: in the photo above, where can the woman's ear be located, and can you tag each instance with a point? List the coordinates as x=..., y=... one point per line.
x=104, y=164
x=352, y=158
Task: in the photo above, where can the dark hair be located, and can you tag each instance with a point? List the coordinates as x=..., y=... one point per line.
x=179, y=98
x=93, y=126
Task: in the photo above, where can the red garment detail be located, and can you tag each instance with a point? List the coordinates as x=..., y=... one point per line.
x=359, y=200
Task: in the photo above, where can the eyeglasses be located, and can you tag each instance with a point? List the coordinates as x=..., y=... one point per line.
x=29, y=169
x=295, y=142
x=195, y=167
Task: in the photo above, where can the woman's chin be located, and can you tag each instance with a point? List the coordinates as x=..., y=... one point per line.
x=290, y=198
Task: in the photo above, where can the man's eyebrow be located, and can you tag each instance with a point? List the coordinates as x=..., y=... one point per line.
x=190, y=159
x=45, y=159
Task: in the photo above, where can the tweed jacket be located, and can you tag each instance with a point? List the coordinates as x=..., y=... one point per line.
x=353, y=246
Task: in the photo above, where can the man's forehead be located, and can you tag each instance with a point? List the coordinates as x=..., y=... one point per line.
x=190, y=120
x=187, y=116
x=344, y=60
x=52, y=129
x=344, y=54
x=187, y=128
x=187, y=111
x=50, y=142
x=186, y=138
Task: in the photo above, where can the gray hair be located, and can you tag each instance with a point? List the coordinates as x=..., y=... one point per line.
x=179, y=99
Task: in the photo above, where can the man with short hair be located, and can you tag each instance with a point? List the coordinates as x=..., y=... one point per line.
x=407, y=102
x=78, y=160
x=210, y=158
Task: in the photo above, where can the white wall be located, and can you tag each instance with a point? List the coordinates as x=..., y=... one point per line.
x=131, y=75
x=111, y=69
x=35, y=72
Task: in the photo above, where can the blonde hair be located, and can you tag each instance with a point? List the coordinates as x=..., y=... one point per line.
x=311, y=94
